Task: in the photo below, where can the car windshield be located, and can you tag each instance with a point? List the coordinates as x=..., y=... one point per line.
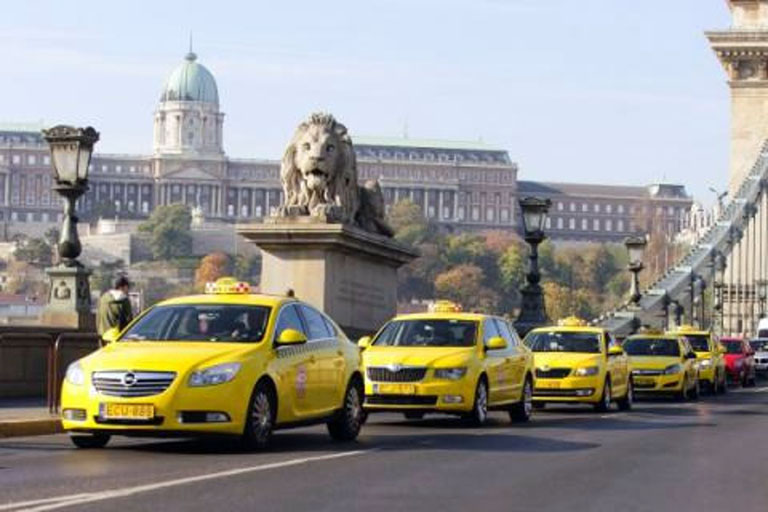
x=652, y=347
x=428, y=333
x=759, y=345
x=699, y=342
x=200, y=322
x=732, y=347
x=554, y=341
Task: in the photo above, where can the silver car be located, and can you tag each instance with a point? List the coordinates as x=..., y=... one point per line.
x=760, y=346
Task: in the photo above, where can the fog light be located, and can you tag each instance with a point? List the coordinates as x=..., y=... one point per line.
x=202, y=417
x=453, y=399
x=584, y=392
x=216, y=417
x=74, y=414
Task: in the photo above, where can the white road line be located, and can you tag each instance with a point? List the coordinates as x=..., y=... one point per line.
x=79, y=499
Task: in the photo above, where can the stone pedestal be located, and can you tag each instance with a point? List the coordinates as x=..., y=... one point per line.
x=347, y=272
x=69, y=299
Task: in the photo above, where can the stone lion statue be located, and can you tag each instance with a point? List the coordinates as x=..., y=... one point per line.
x=318, y=173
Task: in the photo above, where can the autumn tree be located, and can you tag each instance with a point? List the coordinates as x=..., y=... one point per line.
x=168, y=229
x=212, y=267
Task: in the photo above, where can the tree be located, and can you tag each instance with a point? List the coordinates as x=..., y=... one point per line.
x=35, y=251
x=408, y=221
x=247, y=266
x=464, y=284
x=168, y=229
x=212, y=267
x=103, y=276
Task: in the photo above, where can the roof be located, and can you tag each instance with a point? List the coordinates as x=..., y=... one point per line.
x=612, y=191
x=254, y=299
x=474, y=317
x=570, y=328
x=405, y=142
x=191, y=81
x=33, y=127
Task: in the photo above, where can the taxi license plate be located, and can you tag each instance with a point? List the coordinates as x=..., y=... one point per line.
x=127, y=411
x=548, y=384
x=396, y=389
x=643, y=380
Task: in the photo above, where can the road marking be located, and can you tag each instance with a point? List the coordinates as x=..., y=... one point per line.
x=80, y=499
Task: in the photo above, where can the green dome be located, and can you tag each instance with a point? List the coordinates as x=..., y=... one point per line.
x=191, y=82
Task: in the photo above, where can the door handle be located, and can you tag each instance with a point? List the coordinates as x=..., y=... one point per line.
x=339, y=353
x=312, y=359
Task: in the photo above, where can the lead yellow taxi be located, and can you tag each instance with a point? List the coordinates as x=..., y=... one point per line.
x=710, y=357
x=663, y=363
x=576, y=363
x=448, y=361
x=226, y=362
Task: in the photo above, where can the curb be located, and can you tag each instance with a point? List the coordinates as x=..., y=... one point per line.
x=36, y=427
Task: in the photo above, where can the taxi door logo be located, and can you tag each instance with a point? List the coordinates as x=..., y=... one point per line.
x=301, y=381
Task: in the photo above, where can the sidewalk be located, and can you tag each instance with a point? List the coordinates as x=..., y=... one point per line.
x=26, y=417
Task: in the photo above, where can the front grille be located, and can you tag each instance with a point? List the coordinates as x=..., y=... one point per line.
x=401, y=399
x=552, y=373
x=396, y=374
x=644, y=385
x=647, y=372
x=129, y=384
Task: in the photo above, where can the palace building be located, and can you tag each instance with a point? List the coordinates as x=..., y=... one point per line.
x=462, y=185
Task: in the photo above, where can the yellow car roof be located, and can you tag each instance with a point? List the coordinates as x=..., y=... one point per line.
x=688, y=329
x=653, y=336
x=570, y=328
x=229, y=298
x=443, y=316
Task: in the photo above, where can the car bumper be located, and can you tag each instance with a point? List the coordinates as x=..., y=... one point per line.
x=707, y=374
x=570, y=389
x=658, y=383
x=182, y=411
x=440, y=395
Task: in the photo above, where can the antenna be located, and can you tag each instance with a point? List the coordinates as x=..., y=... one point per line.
x=190, y=41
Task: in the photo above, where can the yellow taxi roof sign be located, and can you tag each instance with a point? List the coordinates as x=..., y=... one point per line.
x=571, y=321
x=227, y=285
x=444, y=306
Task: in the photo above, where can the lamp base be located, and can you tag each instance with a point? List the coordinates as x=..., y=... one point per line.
x=69, y=299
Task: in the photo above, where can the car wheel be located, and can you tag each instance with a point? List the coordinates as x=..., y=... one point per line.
x=346, y=423
x=625, y=403
x=90, y=441
x=413, y=415
x=522, y=410
x=261, y=417
x=604, y=404
x=479, y=414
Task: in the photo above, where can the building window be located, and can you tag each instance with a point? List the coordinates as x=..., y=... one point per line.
x=620, y=209
x=559, y=223
x=446, y=212
x=584, y=224
x=490, y=214
x=671, y=211
x=609, y=225
x=118, y=168
x=132, y=168
x=47, y=160
x=475, y=213
x=548, y=223
x=584, y=207
x=608, y=208
x=505, y=216
x=32, y=160
x=559, y=206
x=461, y=213
x=16, y=159
x=573, y=207
x=104, y=168
x=571, y=223
x=620, y=225
x=595, y=225
x=431, y=211
x=597, y=208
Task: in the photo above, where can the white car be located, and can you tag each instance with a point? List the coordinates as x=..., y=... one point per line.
x=760, y=346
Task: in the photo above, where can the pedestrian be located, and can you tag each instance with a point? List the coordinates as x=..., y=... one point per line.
x=115, y=307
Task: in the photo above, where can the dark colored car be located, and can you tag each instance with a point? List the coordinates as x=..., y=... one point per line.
x=739, y=361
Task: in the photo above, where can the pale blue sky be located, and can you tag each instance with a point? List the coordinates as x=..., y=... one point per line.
x=603, y=91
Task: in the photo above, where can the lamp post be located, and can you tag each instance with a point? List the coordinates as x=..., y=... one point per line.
x=69, y=301
x=533, y=311
x=762, y=295
x=636, y=249
x=719, y=267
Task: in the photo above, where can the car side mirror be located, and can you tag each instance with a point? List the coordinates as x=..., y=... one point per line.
x=364, y=342
x=110, y=335
x=291, y=337
x=690, y=355
x=496, y=343
x=615, y=350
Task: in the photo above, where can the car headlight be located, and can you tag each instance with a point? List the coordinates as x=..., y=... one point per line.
x=705, y=363
x=75, y=374
x=214, y=375
x=673, y=369
x=586, y=371
x=450, y=373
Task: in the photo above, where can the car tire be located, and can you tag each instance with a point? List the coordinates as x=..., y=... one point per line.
x=347, y=422
x=625, y=402
x=413, y=415
x=604, y=405
x=479, y=413
x=90, y=441
x=260, y=420
x=521, y=411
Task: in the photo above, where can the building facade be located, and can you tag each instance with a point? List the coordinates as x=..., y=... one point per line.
x=461, y=185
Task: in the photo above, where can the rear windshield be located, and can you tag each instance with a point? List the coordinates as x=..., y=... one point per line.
x=201, y=322
x=652, y=347
x=428, y=333
x=554, y=341
x=699, y=342
x=732, y=347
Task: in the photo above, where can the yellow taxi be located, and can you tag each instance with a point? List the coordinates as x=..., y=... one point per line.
x=710, y=357
x=576, y=363
x=448, y=361
x=226, y=362
x=663, y=363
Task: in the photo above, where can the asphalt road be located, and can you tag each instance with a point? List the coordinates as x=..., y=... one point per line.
x=662, y=456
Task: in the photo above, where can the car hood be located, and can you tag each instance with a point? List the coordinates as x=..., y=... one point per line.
x=443, y=357
x=704, y=355
x=566, y=359
x=730, y=359
x=163, y=356
x=652, y=362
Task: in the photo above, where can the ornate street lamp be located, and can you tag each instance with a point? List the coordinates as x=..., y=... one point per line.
x=720, y=266
x=533, y=312
x=636, y=249
x=70, y=297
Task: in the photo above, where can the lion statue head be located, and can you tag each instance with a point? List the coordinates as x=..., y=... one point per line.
x=318, y=171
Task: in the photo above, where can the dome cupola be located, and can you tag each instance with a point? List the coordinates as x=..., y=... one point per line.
x=191, y=81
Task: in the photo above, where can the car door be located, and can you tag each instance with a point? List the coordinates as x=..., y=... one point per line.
x=326, y=358
x=495, y=365
x=514, y=362
x=688, y=362
x=295, y=368
x=618, y=365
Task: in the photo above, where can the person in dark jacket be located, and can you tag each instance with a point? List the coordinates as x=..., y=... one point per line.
x=115, y=307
